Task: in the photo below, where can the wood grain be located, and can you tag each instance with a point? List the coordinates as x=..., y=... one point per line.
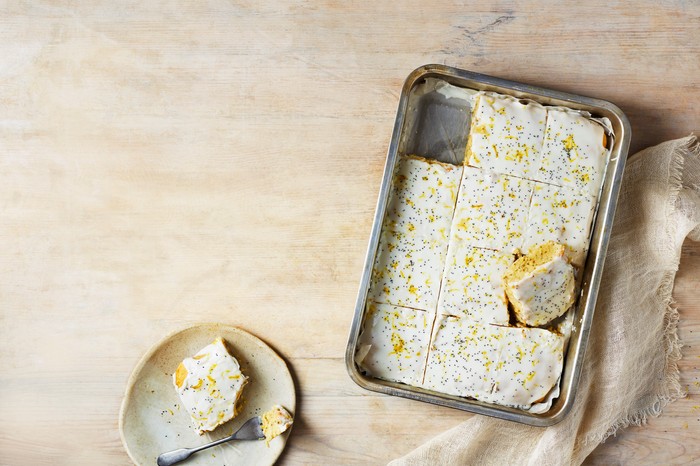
x=163, y=163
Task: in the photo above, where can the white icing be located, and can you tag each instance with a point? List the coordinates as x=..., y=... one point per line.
x=422, y=198
x=573, y=154
x=530, y=361
x=398, y=341
x=407, y=270
x=463, y=358
x=509, y=366
x=562, y=215
x=471, y=284
x=506, y=135
x=491, y=210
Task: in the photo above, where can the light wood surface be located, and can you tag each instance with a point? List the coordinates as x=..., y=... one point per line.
x=163, y=163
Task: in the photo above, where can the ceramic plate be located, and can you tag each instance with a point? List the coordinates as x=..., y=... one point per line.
x=152, y=420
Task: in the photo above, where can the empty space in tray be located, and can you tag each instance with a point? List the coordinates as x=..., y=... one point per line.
x=437, y=117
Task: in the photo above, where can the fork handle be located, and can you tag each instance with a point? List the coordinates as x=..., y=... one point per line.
x=175, y=456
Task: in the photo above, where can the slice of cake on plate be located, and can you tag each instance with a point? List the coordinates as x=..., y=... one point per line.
x=491, y=210
x=209, y=384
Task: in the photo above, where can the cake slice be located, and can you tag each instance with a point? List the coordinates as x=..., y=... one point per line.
x=275, y=422
x=509, y=366
x=422, y=198
x=540, y=285
x=506, y=135
x=491, y=210
x=562, y=215
x=471, y=284
x=394, y=342
x=574, y=153
x=209, y=384
x=463, y=358
x=530, y=362
x=407, y=270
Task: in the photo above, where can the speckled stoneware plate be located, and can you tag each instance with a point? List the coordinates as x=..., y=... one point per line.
x=152, y=420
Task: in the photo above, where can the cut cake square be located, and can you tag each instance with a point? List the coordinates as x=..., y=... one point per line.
x=472, y=286
x=529, y=364
x=463, y=357
x=394, y=342
x=574, y=152
x=506, y=135
x=407, y=270
x=422, y=198
x=491, y=210
x=561, y=215
x=505, y=365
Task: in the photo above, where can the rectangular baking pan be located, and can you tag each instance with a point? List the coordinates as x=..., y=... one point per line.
x=407, y=137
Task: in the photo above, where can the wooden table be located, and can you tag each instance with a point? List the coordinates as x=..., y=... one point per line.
x=163, y=163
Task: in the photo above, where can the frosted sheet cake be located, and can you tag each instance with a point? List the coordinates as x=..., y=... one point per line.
x=531, y=176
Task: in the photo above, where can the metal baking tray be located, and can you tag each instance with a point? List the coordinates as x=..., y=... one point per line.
x=412, y=134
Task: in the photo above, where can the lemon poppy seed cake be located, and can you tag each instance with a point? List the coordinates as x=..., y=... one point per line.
x=275, y=422
x=393, y=343
x=540, y=285
x=422, y=199
x=463, y=357
x=511, y=366
x=471, y=284
x=476, y=265
x=574, y=153
x=529, y=365
x=506, y=135
x=563, y=215
x=491, y=211
x=210, y=384
x=413, y=245
x=407, y=270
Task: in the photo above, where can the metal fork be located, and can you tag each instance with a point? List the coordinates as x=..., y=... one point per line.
x=250, y=430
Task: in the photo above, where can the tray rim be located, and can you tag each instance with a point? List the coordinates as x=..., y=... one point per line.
x=592, y=270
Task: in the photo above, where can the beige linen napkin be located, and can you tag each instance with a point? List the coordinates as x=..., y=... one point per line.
x=630, y=370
